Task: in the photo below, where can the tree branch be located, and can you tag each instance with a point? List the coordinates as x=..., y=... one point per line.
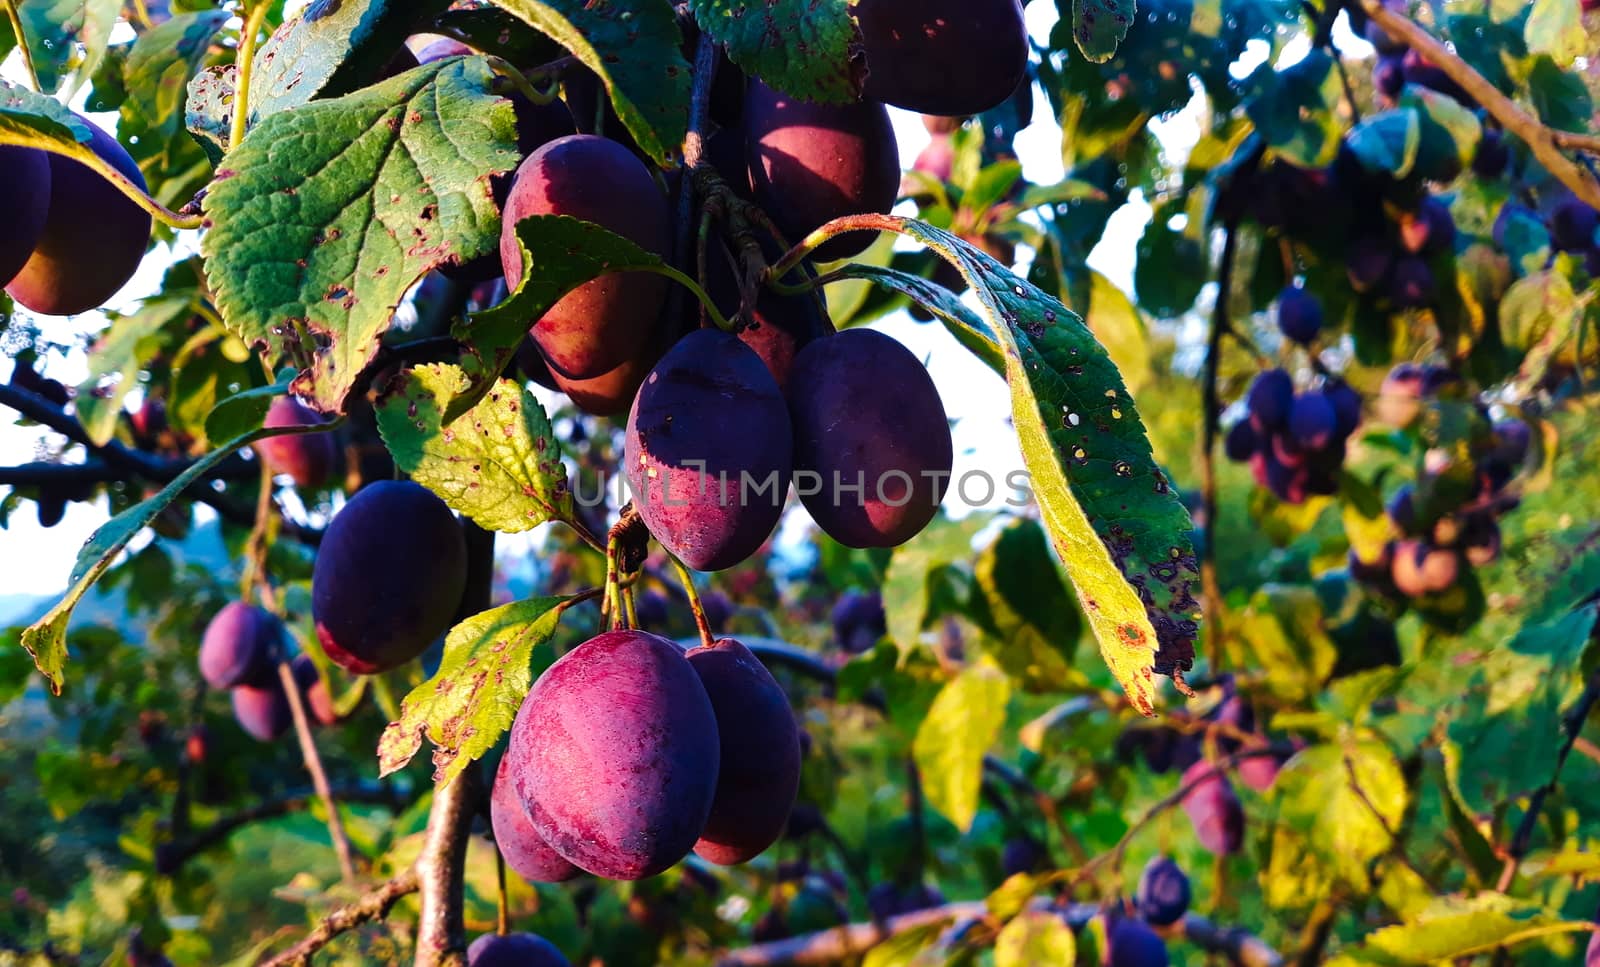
x=374, y=906
x=1211, y=413
x=1544, y=142
x=319, y=776
x=705, y=70
x=1523, y=838
x=170, y=857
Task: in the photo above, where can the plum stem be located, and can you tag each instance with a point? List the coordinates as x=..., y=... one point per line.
x=502, y=924
x=1210, y=413
x=705, y=71
x=695, y=606
x=519, y=80
x=1545, y=143
x=100, y=166
x=717, y=318
x=319, y=776
x=244, y=62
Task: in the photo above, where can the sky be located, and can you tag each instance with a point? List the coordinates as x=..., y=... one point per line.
x=36, y=561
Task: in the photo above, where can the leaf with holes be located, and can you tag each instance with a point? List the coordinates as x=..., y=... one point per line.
x=803, y=47
x=324, y=216
x=1115, y=520
x=331, y=48
x=159, y=67
x=46, y=639
x=634, y=48
x=500, y=464
x=1099, y=26
x=55, y=28
x=208, y=108
x=473, y=698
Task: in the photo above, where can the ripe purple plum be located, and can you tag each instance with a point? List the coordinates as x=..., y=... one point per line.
x=1572, y=226
x=760, y=754
x=615, y=755
x=1131, y=943
x=709, y=451
x=1022, y=854
x=859, y=621
x=1213, y=809
x=515, y=950
x=1312, y=420
x=314, y=691
x=1346, y=406
x=1420, y=568
x=777, y=327
x=1242, y=442
x=1412, y=285
x=25, y=198
x=869, y=424
x=1493, y=155
x=811, y=163
x=528, y=855
x=241, y=647
x=946, y=57
x=609, y=320
x=309, y=458
x=388, y=577
x=93, y=238
x=1164, y=893
x=262, y=712
x=1270, y=399
x=1299, y=315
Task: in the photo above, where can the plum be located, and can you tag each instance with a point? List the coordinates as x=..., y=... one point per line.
x=948, y=57
x=1241, y=442
x=241, y=647
x=1312, y=420
x=1368, y=263
x=1213, y=809
x=1493, y=155
x=609, y=394
x=1270, y=398
x=1299, y=315
x=313, y=691
x=388, y=577
x=869, y=424
x=1346, y=404
x=1420, y=568
x=307, y=457
x=522, y=848
x=709, y=450
x=1022, y=854
x=515, y=950
x=1131, y=943
x=1389, y=76
x=1412, y=284
x=810, y=163
x=1572, y=226
x=859, y=621
x=615, y=755
x=1430, y=228
x=1164, y=893
x=606, y=321
x=25, y=198
x=93, y=238
x=264, y=711
x=1419, y=70
x=937, y=124
x=760, y=754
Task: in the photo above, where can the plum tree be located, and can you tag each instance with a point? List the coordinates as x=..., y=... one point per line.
x=514, y=836
x=869, y=423
x=515, y=950
x=1213, y=809
x=1131, y=943
x=859, y=621
x=382, y=592
x=709, y=450
x=309, y=458
x=607, y=321
x=615, y=755
x=760, y=753
x=240, y=647
x=810, y=163
x=1163, y=895
x=945, y=57
x=93, y=237
x=25, y=198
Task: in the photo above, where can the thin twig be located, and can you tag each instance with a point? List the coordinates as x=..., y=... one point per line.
x=1523, y=838
x=319, y=776
x=170, y=857
x=1544, y=142
x=244, y=62
x=374, y=906
x=1210, y=413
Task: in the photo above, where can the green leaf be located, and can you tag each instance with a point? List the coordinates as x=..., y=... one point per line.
x=159, y=67
x=1508, y=728
x=1537, y=308
x=918, y=947
x=1555, y=27
x=1119, y=325
x=1036, y=624
x=499, y=464
x=1296, y=109
x=208, y=108
x=1171, y=268
x=242, y=412
x=905, y=587
x=46, y=639
x=1099, y=26
x=1325, y=799
x=120, y=353
x=801, y=47
x=324, y=216
x=1560, y=97
x=54, y=28
x=473, y=697
x=1387, y=142
x=1035, y=937
x=1453, y=928
x=1283, y=632
x=961, y=725
x=634, y=48
x=966, y=325
x=1115, y=520
x=330, y=48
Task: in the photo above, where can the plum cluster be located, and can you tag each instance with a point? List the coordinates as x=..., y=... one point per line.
x=1448, y=520
x=628, y=753
x=240, y=653
x=72, y=238
x=1295, y=442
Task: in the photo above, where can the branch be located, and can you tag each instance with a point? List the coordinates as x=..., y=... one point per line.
x=374, y=906
x=1542, y=141
x=1211, y=412
x=705, y=70
x=170, y=857
x=319, y=776
x=1523, y=838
